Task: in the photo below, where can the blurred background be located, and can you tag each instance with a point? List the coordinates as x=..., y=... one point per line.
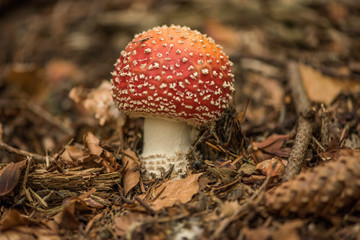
x=49, y=47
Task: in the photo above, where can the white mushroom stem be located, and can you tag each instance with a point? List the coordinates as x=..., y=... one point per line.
x=166, y=143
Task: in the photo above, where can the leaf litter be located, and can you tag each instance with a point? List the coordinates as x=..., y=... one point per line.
x=91, y=187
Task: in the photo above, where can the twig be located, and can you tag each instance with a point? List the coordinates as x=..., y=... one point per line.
x=146, y=206
x=305, y=122
x=36, y=157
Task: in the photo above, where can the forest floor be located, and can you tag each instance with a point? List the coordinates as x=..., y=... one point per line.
x=69, y=169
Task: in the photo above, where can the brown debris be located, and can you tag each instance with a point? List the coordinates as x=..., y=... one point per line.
x=132, y=170
x=90, y=187
x=9, y=176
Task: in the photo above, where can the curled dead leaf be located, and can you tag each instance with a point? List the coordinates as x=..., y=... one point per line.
x=270, y=146
x=67, y=217
x=175, y=191
x=274, y=166
x=97, y=101
x=9, y=176
x=92, y=156
x=13, y=218
x=124, y=223
x=93, y=144
x=132, y=170
x=321, y=88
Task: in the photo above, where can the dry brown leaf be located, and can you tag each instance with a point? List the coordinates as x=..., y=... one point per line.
x=176, y=191
x=274, y=142
x=91, y=142
x=97, y=101
x=58, y=70
x=132, y=170
x=321, y=88
x=254, y=179
x=265, y=167
x=13, y=219
x=270, y=146
x=123, y=223
x=107, y=159
x=66, y=218
x=93, y=156
x=228, y=208
x=9, y=176
x=71, y=155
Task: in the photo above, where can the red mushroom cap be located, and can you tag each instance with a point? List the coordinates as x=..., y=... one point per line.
x=173, y=72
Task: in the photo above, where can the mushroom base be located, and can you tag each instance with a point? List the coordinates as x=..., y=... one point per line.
x=166, y=144
x=158, y=165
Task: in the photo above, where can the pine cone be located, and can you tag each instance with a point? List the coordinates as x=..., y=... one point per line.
x=332, y=188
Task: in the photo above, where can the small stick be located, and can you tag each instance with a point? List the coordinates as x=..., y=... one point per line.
x=305, y=122
x=146, y=206
x=19, y=152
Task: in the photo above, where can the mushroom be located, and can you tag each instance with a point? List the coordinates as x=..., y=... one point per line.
x=176, y=78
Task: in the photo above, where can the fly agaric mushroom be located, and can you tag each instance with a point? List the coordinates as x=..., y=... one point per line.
x=175, y=78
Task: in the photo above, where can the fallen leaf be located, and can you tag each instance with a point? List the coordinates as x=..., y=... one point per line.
x=124, y=223
x=272, y=142
x=132, y=170
x=93, y=144
x=92, y=156
x=265, y=167
x=9, y=176
x=228, y=208
x=97, y=101
x=66, y=218
x=325, y=89
x=71, y=155
x=13, y=218
x=58, y=70
x=176, y=191
x=270, y=146
x=254, y=179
